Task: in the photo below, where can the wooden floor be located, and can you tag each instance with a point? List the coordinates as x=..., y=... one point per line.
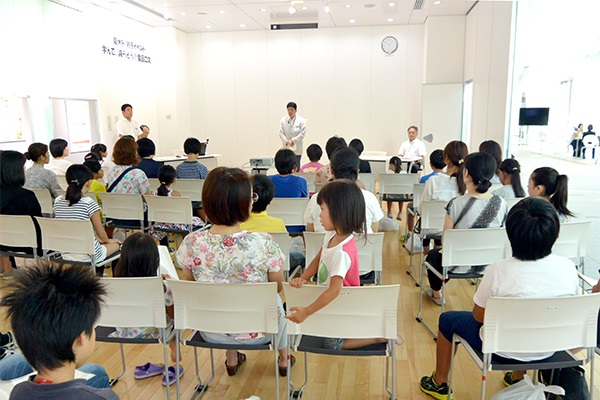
x=329, y=377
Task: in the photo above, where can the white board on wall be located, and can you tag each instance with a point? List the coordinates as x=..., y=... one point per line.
x=441, y=114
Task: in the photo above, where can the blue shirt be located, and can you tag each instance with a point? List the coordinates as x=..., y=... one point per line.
x=289, y=186
x=425, y=177
x=191, y=170
x=150, y=167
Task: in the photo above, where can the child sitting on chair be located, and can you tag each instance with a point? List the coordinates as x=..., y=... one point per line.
x=394, y=167
x=314, y=153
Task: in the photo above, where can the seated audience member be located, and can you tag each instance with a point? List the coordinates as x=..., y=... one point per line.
x=147, y=150
x=493, y=149
x=101, y=150
x=286, y=183
x=190, y=168
x=57, y=335
x=413, y=148
x=314, y=153
x=97, y=174
x=324, y=174
x=144, y=132
x=59, y=149
x=36, y=176
x=344, y=165
x=365, y=166
x=476, y=209
x=532, y=227
x=394, y=167
x=15, y=200
x=124, y=177
x=590, y=132
x=547, y=183
x=92, y=157
x=227, y=254
x=437, y=164
x=509, y=173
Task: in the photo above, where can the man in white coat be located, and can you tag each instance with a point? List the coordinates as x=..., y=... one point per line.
x=292, y=129
x=127, y=126
x=413, y=148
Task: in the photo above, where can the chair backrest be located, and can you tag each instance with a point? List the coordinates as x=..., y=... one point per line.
x=397, y=183
x=358, y=312
x=283, y=241
x=418, y=189
x=132, y=302
x=495, y=186
x=590, y=141
x=45, y=199
x=526, y=325
x=433, y=214
x=572, y=239
x=511, y=202
x=153, y=183
x=369, y=181
x=174, y=210
x=191, y=188
x=67, y=235
x=122, y=206
x=61, y=192
x=310, y=179
x=62, y=181
x=474, y=246
x=313, y=241
x=225, y=308
x=17, y=231
x=370, y=252
x=290, y=210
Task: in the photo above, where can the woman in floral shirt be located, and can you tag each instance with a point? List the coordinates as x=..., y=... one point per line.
x=228, y=254
x=125, y=157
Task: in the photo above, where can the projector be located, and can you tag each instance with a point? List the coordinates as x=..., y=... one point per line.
x=257, y=162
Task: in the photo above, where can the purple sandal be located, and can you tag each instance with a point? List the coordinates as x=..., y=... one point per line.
x=172, y=376
x=148, y=370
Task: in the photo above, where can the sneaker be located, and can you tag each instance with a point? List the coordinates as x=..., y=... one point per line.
x=399, y=217
x=431, y=387
x=390, y=215
x=429, y=292
x=509, y=379
x=404, y=238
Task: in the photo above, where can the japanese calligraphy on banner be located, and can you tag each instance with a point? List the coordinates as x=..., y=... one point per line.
x=126, y=49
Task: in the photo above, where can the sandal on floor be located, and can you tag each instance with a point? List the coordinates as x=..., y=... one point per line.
x=172, y=376
x=232, y=370
x=283, y=370
x=148, y=370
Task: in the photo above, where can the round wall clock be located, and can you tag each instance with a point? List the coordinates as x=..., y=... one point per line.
x=389, y=45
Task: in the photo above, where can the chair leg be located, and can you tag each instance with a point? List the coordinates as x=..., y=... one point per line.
x=451, y=375
x=201, y=388
x=168, y=387
x=394, y=384
x=124, y=367
x=487, y=358
x=591, y=356
x=274, y=342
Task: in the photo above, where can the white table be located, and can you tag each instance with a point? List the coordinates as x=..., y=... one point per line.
x=379, y=164
x=209, y=160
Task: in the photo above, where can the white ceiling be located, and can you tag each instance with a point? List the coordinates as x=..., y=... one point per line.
x=237, y=15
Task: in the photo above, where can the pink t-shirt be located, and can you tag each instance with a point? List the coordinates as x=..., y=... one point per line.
x=340, y=260
x=311, y=167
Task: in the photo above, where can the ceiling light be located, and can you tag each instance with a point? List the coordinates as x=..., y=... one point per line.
x=242, y=25
x=327, y=9
x=305, y=8
x=263, y=9
x=391, y=4
x=182, y=13
x=208, y=26
x=222, y=12
x=437, y=2
x=347, y=6
x=390, y=20
x=292, y=9
x=352, y=21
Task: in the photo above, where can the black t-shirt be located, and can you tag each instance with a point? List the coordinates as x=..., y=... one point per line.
x=20, y=201
x=150, y=167
x=364, y=167
x=76, y=389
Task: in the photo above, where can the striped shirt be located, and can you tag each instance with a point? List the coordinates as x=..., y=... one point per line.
x=82, y=210
x=191, y=170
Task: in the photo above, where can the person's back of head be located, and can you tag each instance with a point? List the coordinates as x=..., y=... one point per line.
x=345, y=164
x=50, y=309
x=397, y=163
x=346, y=204
x=532, y=227
x=191, y=146
x=166, y=176
x=492, y=148
x=285, y=161
x=125, y=151
x=227, y=196
x=12, y=173
x=139, y=257
x=77, y=177
x=590, y=127
x=511, y=167
x=314, y=152
x=481, y=168
x=264, y=188
x=57, y=147
x=555, y=187
x=334, y=143
x=92, y=156
x=436, y=160
x=35, y=151
x=146, y=147
x=93, y=165
x=357, y=145
x=455, y=153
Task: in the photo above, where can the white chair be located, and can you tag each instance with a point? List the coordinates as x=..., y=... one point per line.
x=572, y=242
x=370, y=257
x=495, y=186
x=511, y=202
x=465, y=248
x=357, y=313
x=590, y=144
x=526, y=325
x=224, y=308
x=313, y=242
x=153, y=183
x=418, y=189
x=369, y=181
x=46, y=202
x=70, y=236
x=310, y=180
x=18, y=231
x=283, y=241
x=127, y=210
x=172, y=210
x=62, y=181
x=125, y=307
x=397, y=184
x=290, y=210
x=191, y=188
x=61, y=193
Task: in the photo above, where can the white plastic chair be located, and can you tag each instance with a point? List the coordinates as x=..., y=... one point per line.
x=153, y=183
x=191, y=188
x=126, y=307
x=398, y=184
x=18, y=231
x=526, y=325
x=224, y=308
x=495, y=186
x=572, y=242
x=290, y=210
x=46, y=202
x=70, y=236
x=418, y=189
x=357, y=313
x=125, y=208
x=283, y=241
x=369, y=181
x=511, y=202
x=590, y=143
x=313, y=241
x=172, y=210
x=465, y=247
x=310, y=180
x=370, y=256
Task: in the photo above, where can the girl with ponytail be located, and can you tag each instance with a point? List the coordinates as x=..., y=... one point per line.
x=75, y=205
x=509, y=172
x=548, y=184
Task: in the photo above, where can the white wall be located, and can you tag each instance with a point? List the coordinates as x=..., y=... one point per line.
x=342, y=82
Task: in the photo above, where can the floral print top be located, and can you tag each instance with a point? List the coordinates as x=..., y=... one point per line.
x=134, y=182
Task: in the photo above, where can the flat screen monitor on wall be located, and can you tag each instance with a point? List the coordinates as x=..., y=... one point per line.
x=533, y=116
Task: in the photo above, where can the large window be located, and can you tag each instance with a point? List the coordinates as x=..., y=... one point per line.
x=14, y=120
x=76, y=121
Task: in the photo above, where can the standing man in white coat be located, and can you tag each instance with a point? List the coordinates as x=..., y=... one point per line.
x=292, y=129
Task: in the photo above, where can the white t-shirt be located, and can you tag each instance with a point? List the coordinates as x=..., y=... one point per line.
x=337, y=261
x=551, y=276
x=440, y=187
x=126, y=127
x=59, y=167
x=373, y=210
x=506, y=192
x=415, y=148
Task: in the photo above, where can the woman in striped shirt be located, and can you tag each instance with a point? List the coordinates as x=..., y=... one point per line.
x=74, y=205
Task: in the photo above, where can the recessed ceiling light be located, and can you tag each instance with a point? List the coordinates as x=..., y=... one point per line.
x=263, y=9
x=242, y=25
x=327, y=9
x=202, y=13
x=369, y=5
x=391, y=4
x=390, y=20
x=348, y=6
x=292, y=9
x=352, y=21
x=305, y=8
x=437, y=2
x=182, y=13
x=222, y=12
x=208, y=26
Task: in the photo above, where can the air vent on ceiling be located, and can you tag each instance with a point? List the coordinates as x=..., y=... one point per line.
x=307, y=25
x=418, y=4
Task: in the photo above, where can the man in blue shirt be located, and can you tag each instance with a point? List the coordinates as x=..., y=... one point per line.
x=436, y=162
x=286, y=183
